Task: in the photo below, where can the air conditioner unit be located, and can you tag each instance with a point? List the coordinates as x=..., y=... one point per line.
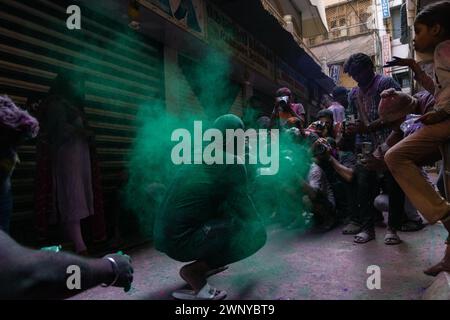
x=344, y=32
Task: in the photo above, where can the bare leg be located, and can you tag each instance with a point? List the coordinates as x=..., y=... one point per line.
x=195, y=274
x=73, y=232
x=444, y=264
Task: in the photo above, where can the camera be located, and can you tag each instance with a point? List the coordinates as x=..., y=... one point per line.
x=320, y=126
x=348, y=122
x=282, y=101
x=366, y=150
x=320, y=149
x=350, y=119
x=317, y=127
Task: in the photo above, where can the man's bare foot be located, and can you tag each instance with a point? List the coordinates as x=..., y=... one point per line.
x=443, y=265
x=438, y=268
x=195, y=274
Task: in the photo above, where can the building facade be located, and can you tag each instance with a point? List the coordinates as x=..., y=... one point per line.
x=140, y=53
x=380, y=29
x=350, y=29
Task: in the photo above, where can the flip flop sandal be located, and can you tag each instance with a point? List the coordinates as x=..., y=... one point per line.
x=206, y=293
x=351, y=228
x=391, y=239
x=364, y=237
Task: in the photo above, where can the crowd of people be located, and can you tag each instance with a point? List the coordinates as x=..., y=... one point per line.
x=363, y=155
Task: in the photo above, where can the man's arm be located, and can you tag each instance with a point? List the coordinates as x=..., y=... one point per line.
x=420, y=75
x=394, y=137
x=274, y=117
x=343, y=171
x=27, y=273
x=375, y=125
x=387, y=83
x=299, y=113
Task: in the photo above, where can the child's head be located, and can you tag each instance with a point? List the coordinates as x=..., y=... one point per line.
x=432, y=26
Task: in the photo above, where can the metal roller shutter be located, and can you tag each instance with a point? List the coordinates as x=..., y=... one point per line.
x=124, y=70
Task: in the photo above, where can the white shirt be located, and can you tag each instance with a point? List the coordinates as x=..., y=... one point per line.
x=338, y=112
x=442, y=76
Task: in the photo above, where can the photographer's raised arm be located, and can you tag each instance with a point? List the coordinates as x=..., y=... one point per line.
x=28, y=274
x=274, y=117
x=394, y=137
x=343, y=171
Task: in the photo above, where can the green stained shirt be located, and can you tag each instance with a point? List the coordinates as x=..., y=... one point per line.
x=198, y=194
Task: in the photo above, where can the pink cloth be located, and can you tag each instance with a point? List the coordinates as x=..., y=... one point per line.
x=298, y=108
x=72, y=182
x=12, y=117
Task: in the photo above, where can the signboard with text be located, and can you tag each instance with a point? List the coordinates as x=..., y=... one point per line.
x=385, y=8
x=387, y=53
x=335, y=72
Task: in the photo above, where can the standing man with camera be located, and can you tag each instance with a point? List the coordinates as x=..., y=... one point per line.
x=286, y=109
x=371, y=133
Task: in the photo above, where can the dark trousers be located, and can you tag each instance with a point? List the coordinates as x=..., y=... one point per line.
x=367, y=189
x=323, y=209
x=344, y=194
x=397, y=215
x=6, y=204
x=346, y=204
x=440, y=182
x=221, y=242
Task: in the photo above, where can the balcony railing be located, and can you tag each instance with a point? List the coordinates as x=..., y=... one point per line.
x=269, y=7
x=339, y=33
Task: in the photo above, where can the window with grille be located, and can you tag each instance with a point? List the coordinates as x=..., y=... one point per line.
x=396, y=24
x=364, y=19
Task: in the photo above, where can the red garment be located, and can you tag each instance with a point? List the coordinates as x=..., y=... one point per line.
x=297, y=108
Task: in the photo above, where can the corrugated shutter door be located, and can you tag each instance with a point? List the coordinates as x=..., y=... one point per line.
x=189, y=103
x=238, y=105
x=124, y=71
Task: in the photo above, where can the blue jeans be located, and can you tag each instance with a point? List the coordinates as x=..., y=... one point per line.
x=6, y=204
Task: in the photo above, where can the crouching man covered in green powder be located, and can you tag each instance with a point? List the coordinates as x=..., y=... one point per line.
x=208, y=217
